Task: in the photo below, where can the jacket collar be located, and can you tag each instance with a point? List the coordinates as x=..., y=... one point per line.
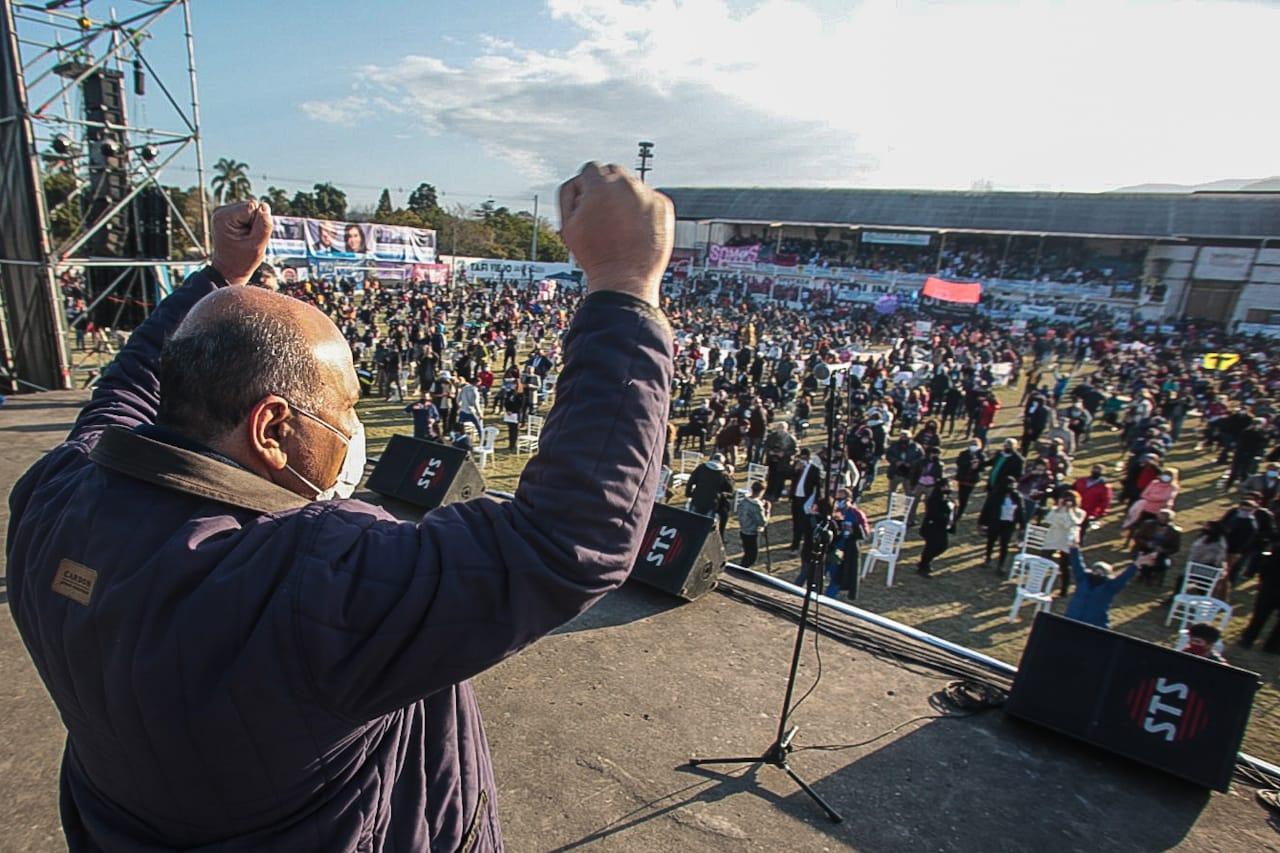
x=190, y=472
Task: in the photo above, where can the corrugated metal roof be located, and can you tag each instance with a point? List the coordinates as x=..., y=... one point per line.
x=1152, y=215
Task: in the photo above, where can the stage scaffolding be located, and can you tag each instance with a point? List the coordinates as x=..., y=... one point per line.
x=47, y=51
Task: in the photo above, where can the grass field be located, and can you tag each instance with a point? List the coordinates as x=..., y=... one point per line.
x=967, y=604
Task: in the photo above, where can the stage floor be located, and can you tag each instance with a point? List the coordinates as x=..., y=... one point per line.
x=591, y=727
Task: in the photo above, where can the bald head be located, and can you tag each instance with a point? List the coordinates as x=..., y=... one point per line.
x=240, y=344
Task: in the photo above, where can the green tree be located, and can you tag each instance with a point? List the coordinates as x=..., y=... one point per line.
x=279, y=201
x=60, y=198
x=330, y=202
x=384, y=204
x=401, y=217
x=425, y=202
x=303, y=204
x=231, y=181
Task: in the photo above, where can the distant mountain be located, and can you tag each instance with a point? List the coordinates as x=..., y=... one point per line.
x=1226, y=185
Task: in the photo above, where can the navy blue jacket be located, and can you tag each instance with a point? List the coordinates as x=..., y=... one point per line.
x=1091, y=601
x=297, y=680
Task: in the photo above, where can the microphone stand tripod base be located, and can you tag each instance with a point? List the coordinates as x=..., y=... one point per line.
x=776, y=754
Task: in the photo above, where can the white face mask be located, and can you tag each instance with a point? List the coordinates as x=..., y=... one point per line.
x=352, y=463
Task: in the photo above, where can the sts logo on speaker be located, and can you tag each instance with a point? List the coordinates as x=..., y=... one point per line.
x=427, y=472
x=661, y=546
x=1169, y=709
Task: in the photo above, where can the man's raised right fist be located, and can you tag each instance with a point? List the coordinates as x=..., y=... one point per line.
x=619, y=230
x=240, y=234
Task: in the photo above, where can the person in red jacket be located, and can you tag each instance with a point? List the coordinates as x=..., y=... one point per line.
x=986, y=416
x=1095, y=498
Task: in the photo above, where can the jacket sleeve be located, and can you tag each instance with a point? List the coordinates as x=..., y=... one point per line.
x=128, y=394
x=385, y=613
x=1077, y=566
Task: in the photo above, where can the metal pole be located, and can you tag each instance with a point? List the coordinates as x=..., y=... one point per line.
x=195, y=121
x=533, y=249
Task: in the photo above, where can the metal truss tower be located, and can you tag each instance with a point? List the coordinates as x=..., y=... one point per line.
x=80, y=187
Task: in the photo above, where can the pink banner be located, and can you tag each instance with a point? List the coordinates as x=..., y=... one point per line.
x=733, y=256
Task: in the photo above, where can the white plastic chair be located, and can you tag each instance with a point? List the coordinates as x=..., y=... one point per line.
x=549, y=385
x=486, y=448
x=1198, y=581
x=689, y=460
x=1211, y=610
x=755, y=474
x=528, y=440
x=664, y=480
x=1040, y=574
x=1032, y=540
x=886, y=543
x=900, y=505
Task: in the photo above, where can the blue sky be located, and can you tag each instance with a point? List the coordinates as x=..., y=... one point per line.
x=503, y=99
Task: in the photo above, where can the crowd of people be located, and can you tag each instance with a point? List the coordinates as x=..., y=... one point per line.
x=749, y=388
x=1057, y=259
x=454, y=355
x=750, y=392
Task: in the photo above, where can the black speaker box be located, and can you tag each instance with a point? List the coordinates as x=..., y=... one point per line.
x=425, y=473
x=1177, y=712
x=681, y=553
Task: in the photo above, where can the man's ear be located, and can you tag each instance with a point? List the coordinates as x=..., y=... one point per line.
x=267, y=427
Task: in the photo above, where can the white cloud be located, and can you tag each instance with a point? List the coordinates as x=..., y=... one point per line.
x=1040, y=93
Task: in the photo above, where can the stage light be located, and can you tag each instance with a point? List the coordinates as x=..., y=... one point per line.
x=112, y=148
x=63, y=144
x=149, y=152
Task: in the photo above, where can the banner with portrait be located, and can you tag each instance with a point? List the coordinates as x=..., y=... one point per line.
x=329, y=239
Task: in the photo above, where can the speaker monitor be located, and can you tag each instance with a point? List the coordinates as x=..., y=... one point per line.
x=425, y=473
x=102, y=94
x=681, y=553
x=1171, y=710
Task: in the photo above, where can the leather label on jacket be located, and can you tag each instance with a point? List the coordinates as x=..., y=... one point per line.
x=74, y=581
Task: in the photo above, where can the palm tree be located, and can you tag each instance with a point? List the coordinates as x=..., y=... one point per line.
x=231, y=181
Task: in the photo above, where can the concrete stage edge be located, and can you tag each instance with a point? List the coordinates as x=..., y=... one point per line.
x=591, y=728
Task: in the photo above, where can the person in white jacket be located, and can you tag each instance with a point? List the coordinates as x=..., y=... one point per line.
x=1064, y=522
x=469, y=408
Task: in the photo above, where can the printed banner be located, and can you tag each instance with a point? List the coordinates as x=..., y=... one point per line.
x=287, y=237
x=324, y=239
x=732, y=256
x=967, y=293
x=407, y=245
x=490, y=269
x=895, y=238
x=328, y=239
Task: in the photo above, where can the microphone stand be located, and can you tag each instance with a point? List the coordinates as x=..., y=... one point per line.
x=777, y=753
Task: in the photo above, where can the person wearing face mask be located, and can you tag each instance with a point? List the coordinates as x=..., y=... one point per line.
x=1007, y=463
x=1265, y=485
x=969, y=465
x=937, y=526
x=245, y=657
x=1095, y=499
x=1160, y=493
x=1065, y=521
x=1247, y=527
x=1096, y=587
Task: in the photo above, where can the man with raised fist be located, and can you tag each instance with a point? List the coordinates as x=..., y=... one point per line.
x=247, y=658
